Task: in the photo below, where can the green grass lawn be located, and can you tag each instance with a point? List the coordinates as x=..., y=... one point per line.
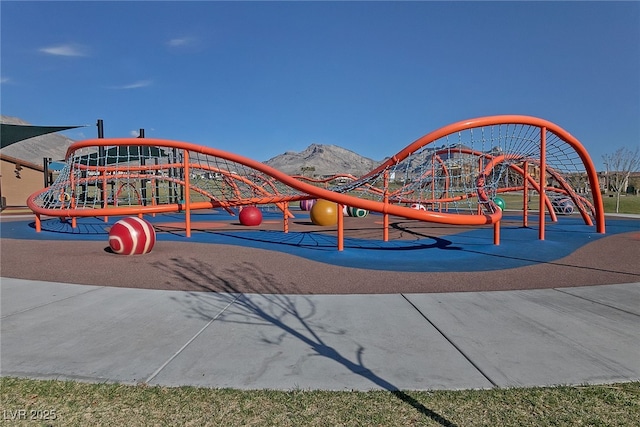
x=81, y=404
x=628, y=204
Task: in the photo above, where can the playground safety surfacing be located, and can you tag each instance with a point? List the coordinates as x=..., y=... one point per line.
x=413, y=246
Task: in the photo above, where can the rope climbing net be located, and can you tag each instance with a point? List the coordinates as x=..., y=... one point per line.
x=452, y=175
x=465, y=170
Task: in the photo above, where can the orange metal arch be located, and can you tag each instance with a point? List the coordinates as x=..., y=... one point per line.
x=375, y=206
x=308, y=190
x=544, y=125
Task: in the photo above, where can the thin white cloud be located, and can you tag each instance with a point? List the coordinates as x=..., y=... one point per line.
x=135, y=85
x=181, y=41
x=65, y=50
x=4, y=80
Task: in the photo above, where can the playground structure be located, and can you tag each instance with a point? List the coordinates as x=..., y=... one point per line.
x=455, y=173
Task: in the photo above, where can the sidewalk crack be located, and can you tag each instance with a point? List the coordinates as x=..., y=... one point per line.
x=450, y=341
x=177, y=353
x=597, y=302
x=51, y=302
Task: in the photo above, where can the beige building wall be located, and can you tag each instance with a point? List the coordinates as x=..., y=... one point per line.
x=18, y=180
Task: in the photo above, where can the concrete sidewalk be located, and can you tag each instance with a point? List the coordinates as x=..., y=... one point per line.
x=347, y=342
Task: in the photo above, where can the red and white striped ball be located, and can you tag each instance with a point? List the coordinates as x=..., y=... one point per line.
x=132, y=236
x=418, y=206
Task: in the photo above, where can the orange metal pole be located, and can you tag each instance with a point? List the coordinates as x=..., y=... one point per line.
x=433, y=183
x=38, y=223
x=285, y=217
x=104, y=193
x=340, y=227
x=525, y=198
x=496, y=233
x=187, y=195
x=479, y=210
x=385, y=215
x=72, y=200
x=385, y=225
x=153, y=194
x=543, y=181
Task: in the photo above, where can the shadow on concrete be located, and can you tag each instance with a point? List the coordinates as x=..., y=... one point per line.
x=292, y=317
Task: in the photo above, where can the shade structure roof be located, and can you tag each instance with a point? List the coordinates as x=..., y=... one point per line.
x=10, y=134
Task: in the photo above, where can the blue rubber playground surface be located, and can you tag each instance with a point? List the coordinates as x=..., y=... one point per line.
x=464, y=251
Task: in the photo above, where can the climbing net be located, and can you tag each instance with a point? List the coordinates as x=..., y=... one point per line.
x=140, y=176
x=453, y=175
x=466, y=170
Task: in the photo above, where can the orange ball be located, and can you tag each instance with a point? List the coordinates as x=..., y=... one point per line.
x=324, y=212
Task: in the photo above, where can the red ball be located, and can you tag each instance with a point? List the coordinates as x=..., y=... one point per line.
x=132, y=236
x=250, y=216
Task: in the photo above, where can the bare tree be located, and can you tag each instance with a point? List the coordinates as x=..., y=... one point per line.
x=619, y=166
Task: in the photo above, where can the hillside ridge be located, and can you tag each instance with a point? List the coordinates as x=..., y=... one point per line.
x=316, y=160
x=322, y=160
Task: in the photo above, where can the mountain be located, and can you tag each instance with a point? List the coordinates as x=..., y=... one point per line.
x=34, y=149
x=315, y=160
x=319, y=160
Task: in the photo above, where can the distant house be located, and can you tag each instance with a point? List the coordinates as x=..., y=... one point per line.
x=18, y=180
x=629, y=186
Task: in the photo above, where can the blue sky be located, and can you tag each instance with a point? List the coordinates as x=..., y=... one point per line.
x=262, y=78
